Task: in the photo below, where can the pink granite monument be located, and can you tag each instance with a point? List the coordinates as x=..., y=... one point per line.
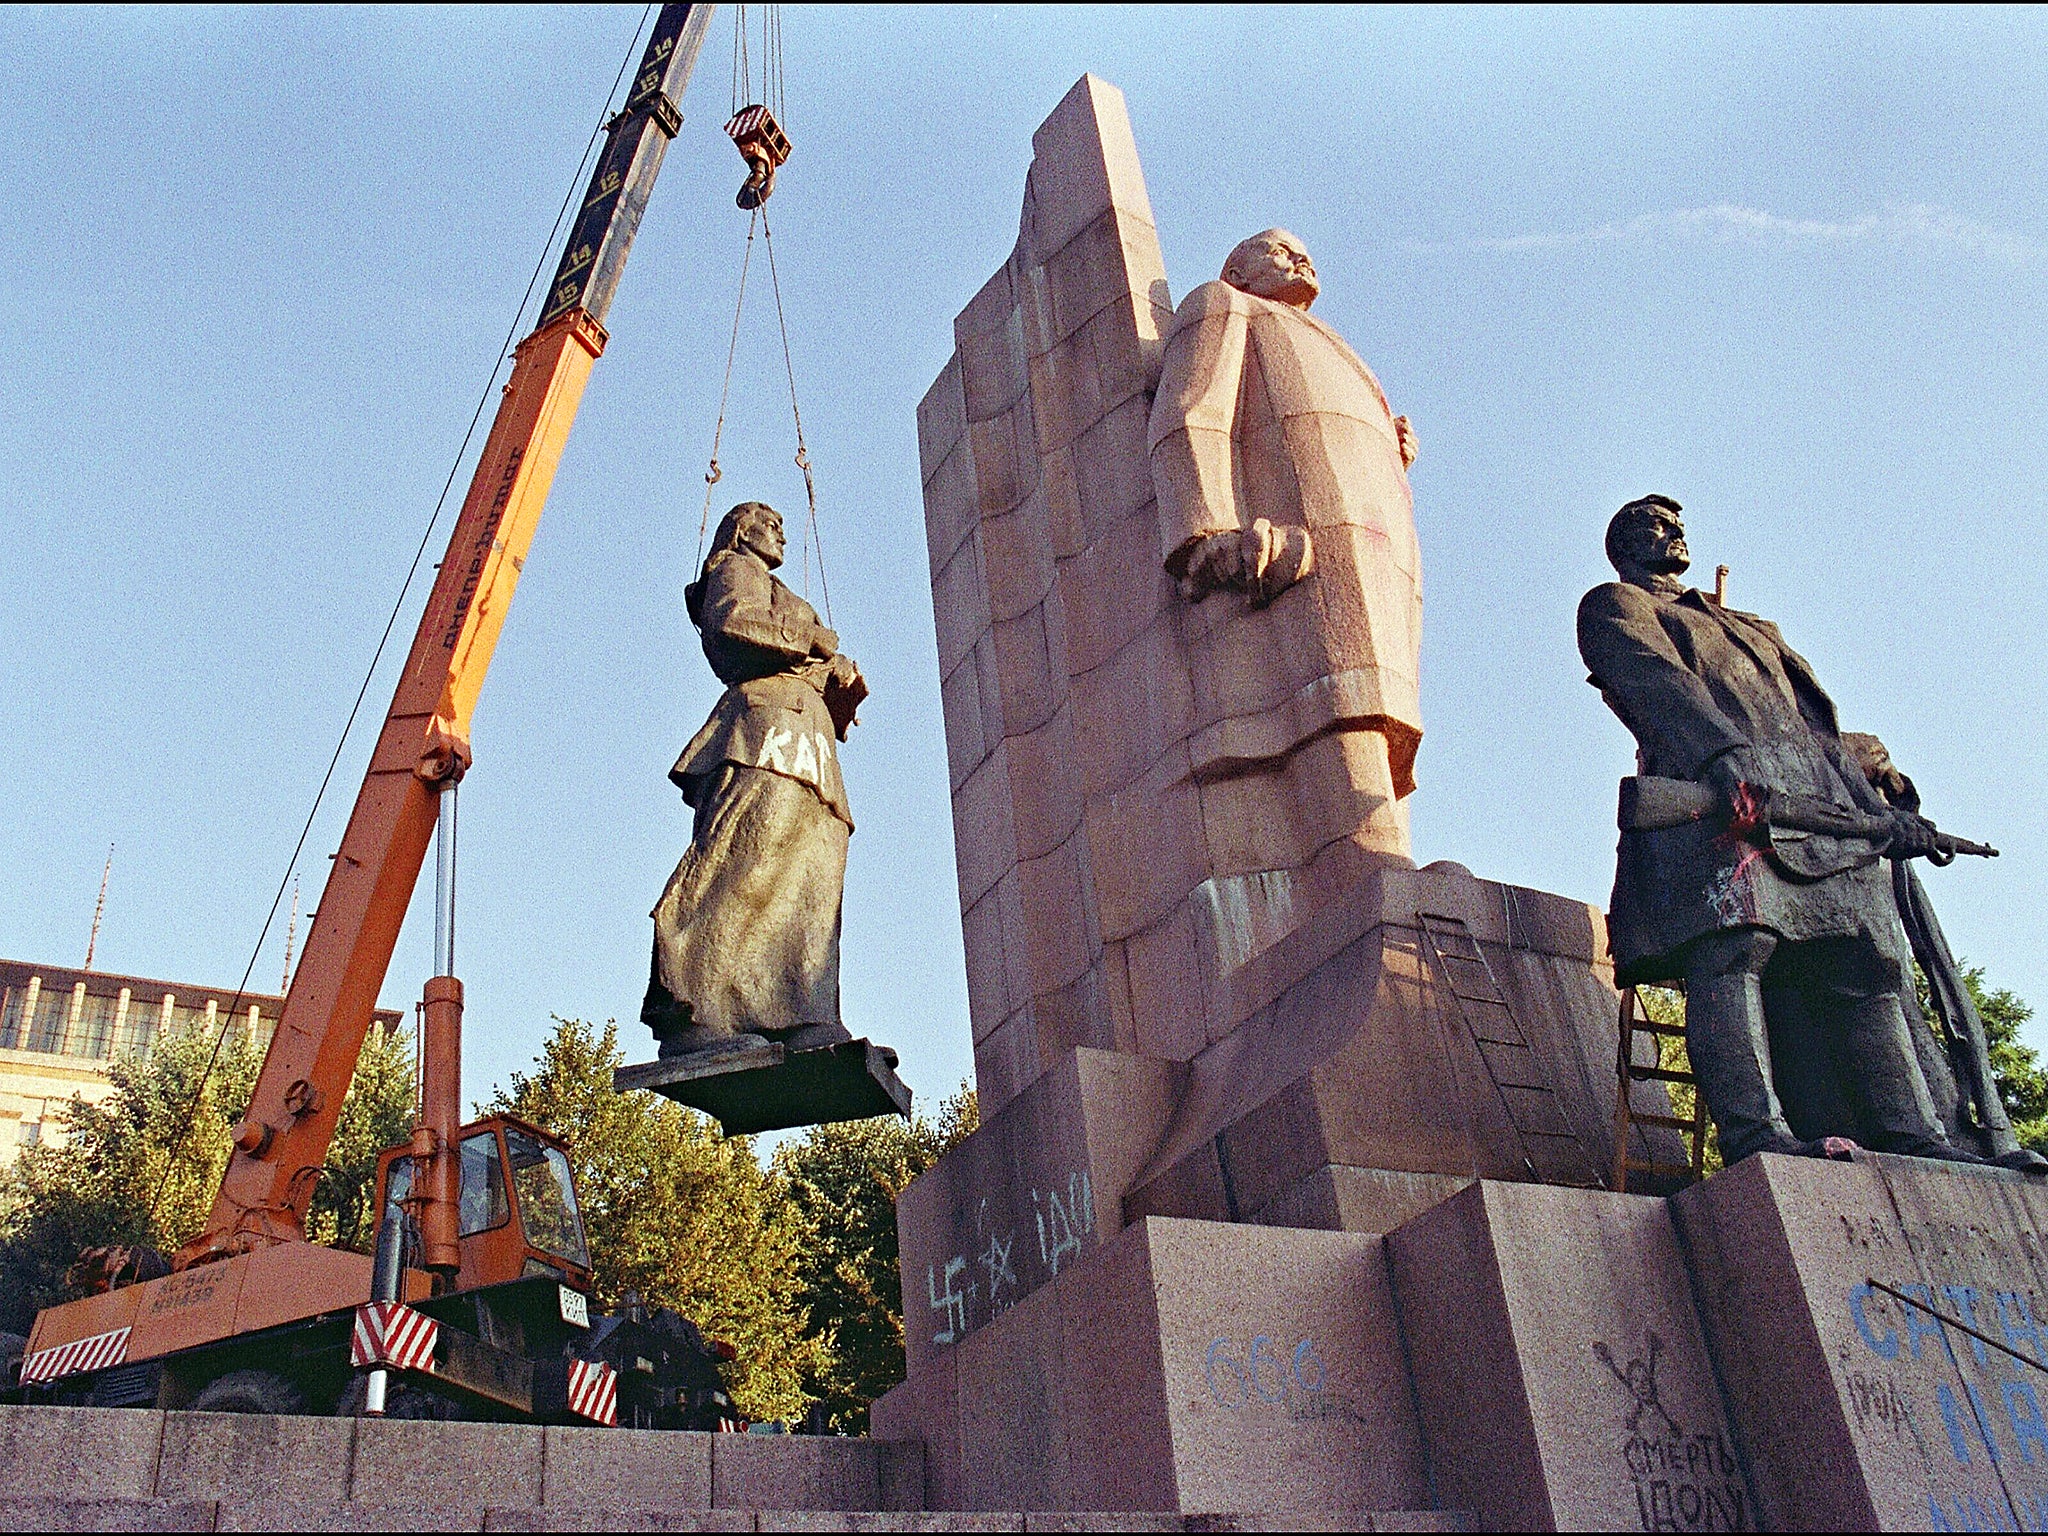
x=1288, y=1195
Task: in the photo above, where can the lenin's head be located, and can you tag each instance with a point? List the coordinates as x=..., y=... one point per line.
x=1273, y=265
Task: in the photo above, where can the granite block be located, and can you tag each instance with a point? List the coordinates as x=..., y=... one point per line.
x=56, y=1452
x=1560, y=1365
x=899, y=1473
x=941, y=419
x=256, y=1513
x=466, y=1466
x=793, y=1472
x=670, y=1469
x=615, y=1517
x=1284, y=1377
x=225, y=1455
x=107, y=1514
x=1864, y=1411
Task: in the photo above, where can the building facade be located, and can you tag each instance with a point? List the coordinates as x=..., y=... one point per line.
x=60, y=1029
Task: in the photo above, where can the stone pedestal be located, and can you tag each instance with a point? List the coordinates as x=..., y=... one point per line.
x=1863, y=1412
x=1562, y=1374
x=1180, y=1366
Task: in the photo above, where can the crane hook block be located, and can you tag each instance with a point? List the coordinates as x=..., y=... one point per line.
x=764, y=146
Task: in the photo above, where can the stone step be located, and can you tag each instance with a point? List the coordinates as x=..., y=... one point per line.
x=132, y=1469
x=271, y=1514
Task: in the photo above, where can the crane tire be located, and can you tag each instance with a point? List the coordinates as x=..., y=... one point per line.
x=404, y=1401
x=249, y=1392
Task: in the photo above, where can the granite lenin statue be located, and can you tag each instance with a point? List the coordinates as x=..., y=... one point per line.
x=1285, y=515
x=746, y=935
x=1786, y=940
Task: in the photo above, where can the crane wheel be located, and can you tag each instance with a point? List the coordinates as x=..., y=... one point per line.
x=404, y=1401
x=249, y=1392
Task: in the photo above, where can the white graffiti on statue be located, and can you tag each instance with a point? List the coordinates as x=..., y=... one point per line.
x=1066, y=1221
x=953, y=1303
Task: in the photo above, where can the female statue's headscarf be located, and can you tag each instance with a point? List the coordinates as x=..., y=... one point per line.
x=728, y=539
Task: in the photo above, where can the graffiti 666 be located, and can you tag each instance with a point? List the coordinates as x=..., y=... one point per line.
x=1266, y=1372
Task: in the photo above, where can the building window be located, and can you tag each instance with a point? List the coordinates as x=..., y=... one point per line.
x=53, y=1011
x=30, y=1134
x=95, y=1026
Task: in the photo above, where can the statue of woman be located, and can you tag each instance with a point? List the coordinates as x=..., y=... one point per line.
x=746, y=936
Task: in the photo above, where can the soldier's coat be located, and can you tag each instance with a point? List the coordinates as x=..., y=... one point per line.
x=1691, y=680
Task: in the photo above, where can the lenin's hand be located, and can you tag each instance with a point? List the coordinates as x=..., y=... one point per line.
x=1404, y=434
x=1215, y=563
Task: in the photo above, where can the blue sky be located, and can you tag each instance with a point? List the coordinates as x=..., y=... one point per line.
x=1786, y=265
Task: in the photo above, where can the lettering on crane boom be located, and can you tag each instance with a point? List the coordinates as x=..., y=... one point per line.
x=486, y=537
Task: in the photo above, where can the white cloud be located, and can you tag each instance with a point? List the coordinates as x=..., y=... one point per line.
x=1900, y=225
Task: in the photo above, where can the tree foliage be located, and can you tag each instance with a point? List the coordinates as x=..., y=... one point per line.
x=2015, y=1066
x=128, y=1170
x=841, y=1183
x=680, y=1215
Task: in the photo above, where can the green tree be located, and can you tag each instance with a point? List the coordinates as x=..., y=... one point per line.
x=142, y=1165
x=2015, y=1066
x=841, y=1182
x=682, y=1216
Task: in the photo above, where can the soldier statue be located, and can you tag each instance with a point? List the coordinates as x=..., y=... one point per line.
x=746, y=935
x=1752, y=865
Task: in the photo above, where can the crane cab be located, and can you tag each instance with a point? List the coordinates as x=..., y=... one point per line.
x=519, y=1214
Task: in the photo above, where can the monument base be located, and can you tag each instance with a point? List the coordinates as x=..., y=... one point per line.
x=1863, y=1411
x=758, y=1085
x=1736, y=1357
x=1184, y=1365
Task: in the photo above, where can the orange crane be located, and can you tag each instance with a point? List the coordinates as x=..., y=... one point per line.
x=252, y=1315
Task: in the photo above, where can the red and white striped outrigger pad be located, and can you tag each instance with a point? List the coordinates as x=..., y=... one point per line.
x=93, y=1354
x=594, y=1391
x=391, y=1333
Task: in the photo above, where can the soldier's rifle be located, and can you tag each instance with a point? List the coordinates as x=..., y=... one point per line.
x=1650, y=804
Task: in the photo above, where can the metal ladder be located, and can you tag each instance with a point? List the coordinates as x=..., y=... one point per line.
x=1627, y=1072
x=1534, y=1111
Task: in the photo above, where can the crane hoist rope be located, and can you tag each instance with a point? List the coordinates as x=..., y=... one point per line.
x=397, y=607
x=756, y=131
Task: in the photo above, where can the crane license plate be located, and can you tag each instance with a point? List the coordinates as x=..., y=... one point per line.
x=575, y=1307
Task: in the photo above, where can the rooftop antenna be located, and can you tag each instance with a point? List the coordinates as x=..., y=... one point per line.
x=99, y=907
x=291, y=934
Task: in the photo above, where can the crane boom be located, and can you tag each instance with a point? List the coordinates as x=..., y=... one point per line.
x=282, y=1142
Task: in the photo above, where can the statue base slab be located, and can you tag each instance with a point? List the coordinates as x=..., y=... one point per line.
x=1862, y=1411
x=1734, y=1357
x=755, y=1085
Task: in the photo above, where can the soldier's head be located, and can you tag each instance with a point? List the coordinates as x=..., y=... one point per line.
x=1647, y=537
x=1273, y=265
